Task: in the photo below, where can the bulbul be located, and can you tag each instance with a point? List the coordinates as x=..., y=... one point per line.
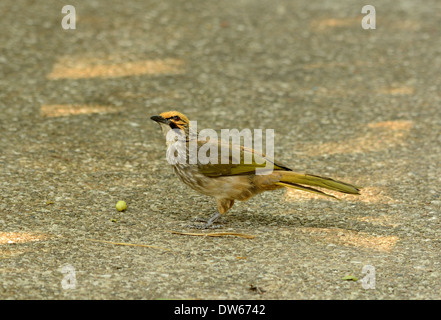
x=230, y=179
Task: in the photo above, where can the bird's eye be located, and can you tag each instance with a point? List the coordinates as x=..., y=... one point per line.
x=176, y=118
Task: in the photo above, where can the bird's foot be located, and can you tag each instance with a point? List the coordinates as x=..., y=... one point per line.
x=208, y=222
x=205, y=226
x=199, y=219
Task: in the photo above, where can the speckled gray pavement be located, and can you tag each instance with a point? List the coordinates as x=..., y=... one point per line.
x=354, y=104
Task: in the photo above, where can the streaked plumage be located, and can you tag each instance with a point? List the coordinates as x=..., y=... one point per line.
x=236, y=180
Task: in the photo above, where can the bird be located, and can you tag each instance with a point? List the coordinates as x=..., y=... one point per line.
x=231, y=179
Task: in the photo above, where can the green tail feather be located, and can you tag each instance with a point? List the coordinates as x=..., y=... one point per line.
x=297, y=181
x=303, y=188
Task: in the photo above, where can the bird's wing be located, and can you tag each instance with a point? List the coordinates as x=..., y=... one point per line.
x=238, y=160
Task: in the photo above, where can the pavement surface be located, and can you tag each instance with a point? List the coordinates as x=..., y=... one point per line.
x=358, y=105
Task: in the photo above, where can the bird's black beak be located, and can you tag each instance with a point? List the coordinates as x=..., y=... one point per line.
x=160, y=119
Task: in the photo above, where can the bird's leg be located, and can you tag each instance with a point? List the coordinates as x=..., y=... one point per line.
x=212, y=219
x=222, y=206
x=208, y=222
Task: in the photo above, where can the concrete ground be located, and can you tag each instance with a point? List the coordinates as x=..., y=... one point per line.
x=354, y=104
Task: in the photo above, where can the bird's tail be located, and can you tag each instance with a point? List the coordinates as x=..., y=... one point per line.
x=306, y=181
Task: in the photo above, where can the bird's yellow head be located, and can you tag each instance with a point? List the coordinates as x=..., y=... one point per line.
x=172, y=120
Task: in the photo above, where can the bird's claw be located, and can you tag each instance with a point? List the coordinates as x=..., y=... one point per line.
x=205, y=226
x=199, y=219
x=208, y=222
